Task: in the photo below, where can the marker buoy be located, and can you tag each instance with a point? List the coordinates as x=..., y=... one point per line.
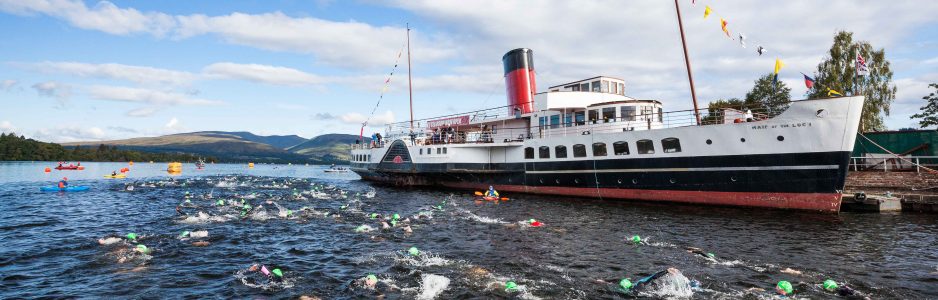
x=48, y=169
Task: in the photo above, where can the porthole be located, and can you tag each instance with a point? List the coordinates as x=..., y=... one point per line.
x=634, y=181
x=780, y=138
x=742, y=140
x=673, y=181
x=557, y=181
x=620, y=181
x=709, y=142
x=541, y=180
x=509, y=179
x=733, y=178
x=576, y=181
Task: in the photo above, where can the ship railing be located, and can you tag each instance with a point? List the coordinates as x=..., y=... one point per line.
x=892, y=163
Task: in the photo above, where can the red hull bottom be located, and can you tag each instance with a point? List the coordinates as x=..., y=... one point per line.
x=827, y=202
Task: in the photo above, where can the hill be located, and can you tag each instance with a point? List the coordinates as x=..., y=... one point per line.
x=278, y=141
x=227, y=147
x=15, y=148
x=328, y=147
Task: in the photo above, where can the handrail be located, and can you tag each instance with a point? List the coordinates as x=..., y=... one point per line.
x=891, y=163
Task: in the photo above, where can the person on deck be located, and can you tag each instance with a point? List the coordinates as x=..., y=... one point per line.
x=491, y=192
x=748, y=116
x=63, y=183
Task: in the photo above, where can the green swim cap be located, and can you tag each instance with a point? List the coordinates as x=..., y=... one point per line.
x=710, y=255
x=625, y=283
x=247, y=206
x=289, y=212
x=221, y=202
x=531, y=221
x=784, y=286
x=131, y=236
x=143, y=249
x=372, y=277
x=511, y=286
x=184, y=233
x=360, y=228
x=397, y=216
x=277, y=272
x=374, y=215
x=413, y=251
x=636, y=239
x=830, y=285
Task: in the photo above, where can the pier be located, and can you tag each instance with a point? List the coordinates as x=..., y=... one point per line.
x=882, y=190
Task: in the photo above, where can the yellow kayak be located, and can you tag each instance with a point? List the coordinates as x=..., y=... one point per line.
x=116, y=176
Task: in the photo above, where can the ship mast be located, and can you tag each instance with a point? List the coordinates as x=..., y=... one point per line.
x=690, y=76
x=410, y=89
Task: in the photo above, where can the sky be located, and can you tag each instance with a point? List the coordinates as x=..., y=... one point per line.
x=75, y=70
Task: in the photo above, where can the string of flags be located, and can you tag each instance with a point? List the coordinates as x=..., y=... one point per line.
x=387, y=83
x=862, y=68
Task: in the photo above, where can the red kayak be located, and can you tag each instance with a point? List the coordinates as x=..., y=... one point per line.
x=69, y=168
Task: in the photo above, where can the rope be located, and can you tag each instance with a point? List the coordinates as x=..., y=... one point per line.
x=897, y=155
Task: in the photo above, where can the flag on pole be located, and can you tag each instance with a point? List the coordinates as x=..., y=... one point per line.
x=707, y=11
x=808, y=81
x=694, y=2
x=760, y=50
x=778, y=66
x=862, y=69
x=723, y=25
x=833, y=92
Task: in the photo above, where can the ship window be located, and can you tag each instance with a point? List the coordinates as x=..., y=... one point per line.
x=609, y=114
x=560, y=151
x=579, y=150
x=605, y=86
x=444, y=150
x=648, y=112
x=620, y=148
x=628, y=113
x=543, y=152
x=645, y=147
x=622, y=89
x=574, y=88
x=439, y=150
x=585, y=87
x=529, y=153
x=580, y=117
x=671, y=145
x=421, y=151
x=660, y=114
x=599, y=149
x=541, y=123
x=615, y=88
x=594, y=115
x=596, y=87
x=567, y=120
x=554, y=121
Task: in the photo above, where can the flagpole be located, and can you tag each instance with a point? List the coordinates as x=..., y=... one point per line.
x=410, y=89
x=690, y=77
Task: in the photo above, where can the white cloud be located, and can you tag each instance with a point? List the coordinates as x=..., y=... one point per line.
x=377, y=120
x=8, y=84
x=138, y=74
x=933, y=60
x=262, y=74
x=146, y=96
x=7, y=127
x=172, y=123
x=105, y=16
x=143, y=111
x=54, y=89
x=65, y=134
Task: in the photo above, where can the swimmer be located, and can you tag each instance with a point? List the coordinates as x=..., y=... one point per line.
x=842, y=290
x=407, y=229
x=791, y=271
x=670, y=282
x=698, y=251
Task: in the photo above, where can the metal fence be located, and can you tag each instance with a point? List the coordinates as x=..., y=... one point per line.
x=891, y=163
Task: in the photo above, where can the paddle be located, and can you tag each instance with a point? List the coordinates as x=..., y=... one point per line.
x=478, y=193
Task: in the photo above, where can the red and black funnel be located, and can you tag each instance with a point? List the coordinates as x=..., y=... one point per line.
x=519, y=80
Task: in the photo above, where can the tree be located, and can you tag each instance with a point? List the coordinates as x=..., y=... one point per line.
x=715, y=109
x=838, y=72
x=929, y=114
x=767, y=97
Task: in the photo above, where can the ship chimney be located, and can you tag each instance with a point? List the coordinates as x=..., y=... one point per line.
x=519, y=80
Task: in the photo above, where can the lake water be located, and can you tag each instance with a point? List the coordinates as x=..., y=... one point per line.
x=303, y=222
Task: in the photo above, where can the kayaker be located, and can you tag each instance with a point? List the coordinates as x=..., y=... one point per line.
x=113, y=173
x=63, y=183
x=491, y=192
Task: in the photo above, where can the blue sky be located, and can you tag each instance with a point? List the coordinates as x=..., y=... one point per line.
x=87, y=70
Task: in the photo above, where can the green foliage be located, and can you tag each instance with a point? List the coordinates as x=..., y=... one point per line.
x=715, y=109
x=929, y=114
x=19, y=148
x=838, y=72
x=768, y=98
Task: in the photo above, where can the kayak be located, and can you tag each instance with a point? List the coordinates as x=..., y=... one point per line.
x=78, y=188
x=70, y=168
x=116, y=176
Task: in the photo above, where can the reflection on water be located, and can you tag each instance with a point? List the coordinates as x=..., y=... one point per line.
x=211, y=233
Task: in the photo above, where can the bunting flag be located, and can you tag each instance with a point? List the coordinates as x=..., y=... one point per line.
x=723, y=24
x=862, y=70
x=760, y=50
x=707, y=11
x=742, y=40
x=833, y=92
x=387, y=83
x=808, y=81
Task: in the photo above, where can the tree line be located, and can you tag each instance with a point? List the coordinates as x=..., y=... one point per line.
x=20, y=148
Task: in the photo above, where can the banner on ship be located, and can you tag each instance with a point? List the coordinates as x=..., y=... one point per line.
x=454, y=121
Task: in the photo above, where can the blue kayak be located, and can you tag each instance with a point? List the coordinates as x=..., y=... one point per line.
x=67, y=189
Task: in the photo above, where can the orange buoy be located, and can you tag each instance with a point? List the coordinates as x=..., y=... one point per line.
x=130, y=163
x=48, y=169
